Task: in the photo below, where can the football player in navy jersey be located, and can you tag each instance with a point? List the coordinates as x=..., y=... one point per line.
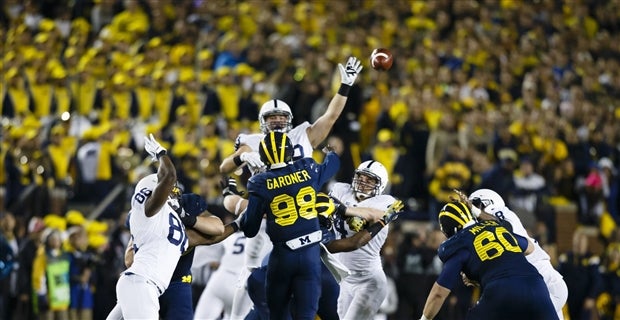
x=330, y=274
x=487, y=253
x=287, y=193
x=276, y=115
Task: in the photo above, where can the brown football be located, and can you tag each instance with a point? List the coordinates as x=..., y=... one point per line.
x=381, y=59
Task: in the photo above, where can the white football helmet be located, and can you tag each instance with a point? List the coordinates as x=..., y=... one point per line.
x=374, y=170
x=485, y=199
x=275, y=107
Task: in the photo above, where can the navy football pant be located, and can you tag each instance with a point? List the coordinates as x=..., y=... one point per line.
x=330, y=289
x=294, y=273
x=176, y=302
x=516, y=298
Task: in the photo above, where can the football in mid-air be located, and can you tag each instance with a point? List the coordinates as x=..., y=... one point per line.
x=381, y=59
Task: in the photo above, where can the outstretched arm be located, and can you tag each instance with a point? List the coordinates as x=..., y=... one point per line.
x=209, y=224
x=368, y=214
x=194, y=215
x=435, y=300
x=197, y=238
x=354, y=242
x=319, y=130
x=166, y=177
x=362, y=237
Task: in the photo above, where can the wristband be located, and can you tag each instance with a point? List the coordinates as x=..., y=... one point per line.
x=344, y=90
x=189, y=221
x=375, y=228
x=237, y=161
x=341, y=210
x=161, y=154
x=424, y=317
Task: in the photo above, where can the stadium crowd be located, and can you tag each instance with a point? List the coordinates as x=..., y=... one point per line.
x=519, y=97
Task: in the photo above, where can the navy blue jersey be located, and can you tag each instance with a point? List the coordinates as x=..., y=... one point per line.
x=485, y=251
x=183, y=271
x=176, y=302
x=511, y=287
x=287, y=196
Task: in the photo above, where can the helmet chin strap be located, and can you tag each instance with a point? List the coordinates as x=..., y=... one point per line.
x=360, y=196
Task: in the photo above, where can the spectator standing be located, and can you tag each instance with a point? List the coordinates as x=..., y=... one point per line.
x=580, y=269
x=50, y=277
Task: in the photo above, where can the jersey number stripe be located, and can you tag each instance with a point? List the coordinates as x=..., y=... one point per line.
x=176, y=232
x=490, y=245
x=287, y=209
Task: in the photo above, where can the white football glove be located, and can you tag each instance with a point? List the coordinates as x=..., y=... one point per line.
x=252, y=159
x=349, y=73
x=153, y=147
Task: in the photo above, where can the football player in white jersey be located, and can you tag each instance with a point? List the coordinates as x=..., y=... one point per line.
x=487, y=204
x=276, y=115
x=363, y=291
x=159, y=240
x=217, y=297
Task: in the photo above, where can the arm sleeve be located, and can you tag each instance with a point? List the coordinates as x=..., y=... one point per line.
x=250, y=222
x=329, y=167
x=522, y=241
x=451, y=272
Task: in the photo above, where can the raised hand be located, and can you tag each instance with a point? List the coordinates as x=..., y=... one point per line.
x=153, y=147
x=350, y=71
x=392, y=211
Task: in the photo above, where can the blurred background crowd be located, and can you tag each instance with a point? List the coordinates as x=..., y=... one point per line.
x=522, y=97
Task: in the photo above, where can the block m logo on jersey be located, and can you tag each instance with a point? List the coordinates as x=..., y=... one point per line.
x=304, y=240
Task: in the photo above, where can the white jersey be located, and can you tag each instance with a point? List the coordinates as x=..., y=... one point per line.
x=204, y=257
x=298, y=136
x=158, y=241
x=538, y=258
x=217, y=297
x=367, y=256
x=234, y=249
x=365, y=289
x=258, y=247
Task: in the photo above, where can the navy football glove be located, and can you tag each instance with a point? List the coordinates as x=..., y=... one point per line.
x=229, y=187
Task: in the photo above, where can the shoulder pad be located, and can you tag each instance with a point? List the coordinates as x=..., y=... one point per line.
x=339, y=188
x=250, y=140
x=255, y=182
x=299, y=129
x=450, y=247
